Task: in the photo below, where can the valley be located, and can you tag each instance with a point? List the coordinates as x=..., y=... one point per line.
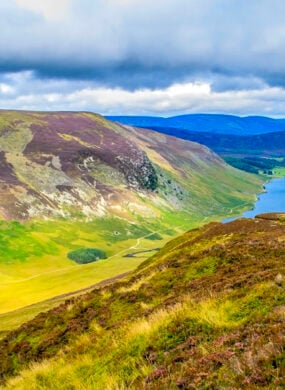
x=253, y=144
x=75, y=180
x=142, y=195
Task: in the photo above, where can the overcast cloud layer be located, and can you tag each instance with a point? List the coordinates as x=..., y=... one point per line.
x=157, y=57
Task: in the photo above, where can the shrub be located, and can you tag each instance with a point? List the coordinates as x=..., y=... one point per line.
x=154, y=237
x=87, y=255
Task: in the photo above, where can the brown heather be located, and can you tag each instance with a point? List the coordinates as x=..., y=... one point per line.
x=206, y=312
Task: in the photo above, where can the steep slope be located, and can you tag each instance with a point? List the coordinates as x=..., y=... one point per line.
x=207, y=311
x=211, y=123
x=262, y=153
x=81, y=165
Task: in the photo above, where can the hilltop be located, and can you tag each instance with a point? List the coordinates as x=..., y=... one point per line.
x=207, y=311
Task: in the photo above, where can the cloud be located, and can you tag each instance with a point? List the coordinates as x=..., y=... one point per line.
x=150, y=40
x=49, y=9
x=175, y=99
x=133, y=46
x=6, y=89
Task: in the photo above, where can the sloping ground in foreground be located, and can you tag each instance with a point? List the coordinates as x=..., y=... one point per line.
x=207, y=311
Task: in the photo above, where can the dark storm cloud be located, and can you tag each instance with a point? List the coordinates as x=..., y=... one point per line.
x=143, y=56
x=137, y=43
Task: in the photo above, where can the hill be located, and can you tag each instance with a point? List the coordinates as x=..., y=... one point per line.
x=205, y=312
x=269, y=144
x=233, y=138
x=79, y=164
x=210, y=123
x=78, y=183
x=262, y=153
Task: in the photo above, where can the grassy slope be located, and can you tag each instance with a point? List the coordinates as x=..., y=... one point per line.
x=33, y=252
x=206, y=311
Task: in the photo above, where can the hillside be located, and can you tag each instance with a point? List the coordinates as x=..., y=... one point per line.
x=74, y=182
x=261, y=153
x=210, y=123
x=269, y=144
x=205, y=312
x=79, y=164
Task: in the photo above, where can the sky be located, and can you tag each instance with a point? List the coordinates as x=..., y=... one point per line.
x=143, y=57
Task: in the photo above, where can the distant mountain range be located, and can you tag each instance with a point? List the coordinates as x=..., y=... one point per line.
x=234, y=138
x=210, y=123
x=272, y=144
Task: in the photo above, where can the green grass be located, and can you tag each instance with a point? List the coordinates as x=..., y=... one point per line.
x=279, y=172
x=203, y=267
x=31, y=277
x=35, y=252
x=206, y=310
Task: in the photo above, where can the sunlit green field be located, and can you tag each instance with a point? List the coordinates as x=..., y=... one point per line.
x=34, y=265
x=279, y=172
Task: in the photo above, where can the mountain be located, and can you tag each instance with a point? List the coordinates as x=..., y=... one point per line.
x=205, y=312
x=209, y=123
x=269, y=144
x=76, y=188
x=234, y=138
x=72, y=164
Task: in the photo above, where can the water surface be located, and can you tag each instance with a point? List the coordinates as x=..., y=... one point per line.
x=271, y=201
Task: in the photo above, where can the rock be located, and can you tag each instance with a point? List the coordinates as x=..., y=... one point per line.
x=279, y=280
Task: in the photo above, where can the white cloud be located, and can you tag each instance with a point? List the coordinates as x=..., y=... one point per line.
x=6, y=88
x=53, y=10
x=27, y=92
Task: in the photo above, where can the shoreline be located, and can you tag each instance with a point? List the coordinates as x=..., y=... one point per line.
x=259, y=197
